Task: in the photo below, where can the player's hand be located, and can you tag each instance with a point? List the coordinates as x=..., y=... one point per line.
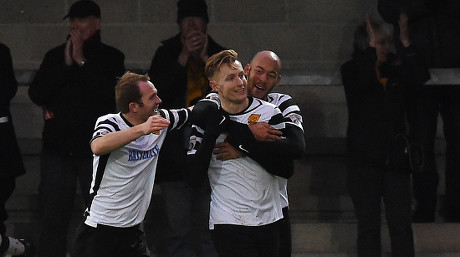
x=225, y=151
x=154, y=124
x=265, y=132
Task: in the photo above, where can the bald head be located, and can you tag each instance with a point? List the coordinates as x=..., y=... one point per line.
x=269, y=56
x=263, y=74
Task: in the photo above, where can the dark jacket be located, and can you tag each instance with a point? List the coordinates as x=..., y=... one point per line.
x=375, y=114
x=170, y=78
x=76, y=96
x=11, y=164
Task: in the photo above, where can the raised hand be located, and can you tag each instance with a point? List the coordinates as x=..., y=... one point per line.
x=77, y=45
x=195, y=44
x=404, y=30
x=370, y=31
x=68, y=53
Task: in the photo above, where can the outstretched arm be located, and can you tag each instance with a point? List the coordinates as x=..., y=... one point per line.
x=114, y=140
x=413, y=70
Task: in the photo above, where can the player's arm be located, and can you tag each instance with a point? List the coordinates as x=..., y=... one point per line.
x=202, y=141
x=282, y=137
x=199, y=157
x=177, y=117
x=291, y=146
x=275, y=155
x=111, y=141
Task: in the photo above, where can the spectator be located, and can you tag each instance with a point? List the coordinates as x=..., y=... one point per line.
x=375, y=82
x=435, y=32
x=11, y=165
x=74, y=85
x=177, y=70
x=245, y=198
x=125, y=147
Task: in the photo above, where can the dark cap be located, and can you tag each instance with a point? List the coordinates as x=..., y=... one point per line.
x=83, y=9
x=192, y=8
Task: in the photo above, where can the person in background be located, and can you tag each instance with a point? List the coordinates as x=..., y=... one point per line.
x=126, y=147
x=11, y=164
x=376, y=82
x=74, y=86
x=177, y=70
x=435, y=32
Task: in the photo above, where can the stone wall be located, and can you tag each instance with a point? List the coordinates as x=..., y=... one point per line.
x=307, y=34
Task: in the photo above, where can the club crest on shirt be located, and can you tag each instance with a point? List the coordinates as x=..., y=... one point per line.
x=253, y=119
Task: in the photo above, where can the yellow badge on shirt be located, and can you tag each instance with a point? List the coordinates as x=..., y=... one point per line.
x=253, y=119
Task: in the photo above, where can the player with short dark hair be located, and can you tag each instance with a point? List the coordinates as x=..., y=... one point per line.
x=126, y=147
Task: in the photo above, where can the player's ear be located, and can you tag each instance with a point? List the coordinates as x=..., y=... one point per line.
x=213, y=84
x=98, y=23
x=278, y=80
x=133, y=107
x=247, y=69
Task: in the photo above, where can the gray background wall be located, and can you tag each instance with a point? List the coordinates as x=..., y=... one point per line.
x=312, y=37
x=307, y=34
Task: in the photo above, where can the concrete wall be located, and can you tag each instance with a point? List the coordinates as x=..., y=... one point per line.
x=307, y=34
x=312, y=37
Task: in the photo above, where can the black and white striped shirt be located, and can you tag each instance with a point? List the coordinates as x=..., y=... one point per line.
x=123, y=180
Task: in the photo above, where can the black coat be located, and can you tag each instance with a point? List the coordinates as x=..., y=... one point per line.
x=375, y=114
x=76, y=96
x=11, y=164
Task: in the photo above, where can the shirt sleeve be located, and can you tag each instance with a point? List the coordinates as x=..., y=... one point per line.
x=104, y=125
x=199, y=154
x=176, y=117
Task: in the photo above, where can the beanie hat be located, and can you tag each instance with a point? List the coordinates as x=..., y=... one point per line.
x=192, y=8
x=83, y=9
